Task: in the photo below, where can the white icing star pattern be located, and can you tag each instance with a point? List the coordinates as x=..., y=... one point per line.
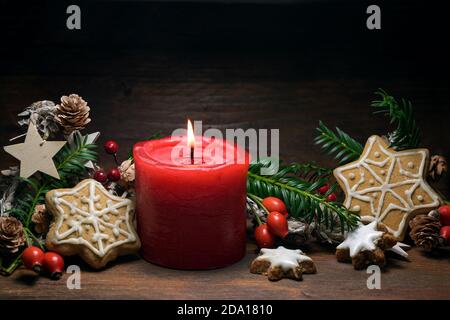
x=86, y=215
x=405, y=195
x=361, y=239
x=284, y=258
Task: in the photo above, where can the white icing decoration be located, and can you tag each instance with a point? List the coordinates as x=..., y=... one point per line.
x=361, y=239
x=284, y=258
x=377, y=154
x=92, y=215
x=356, y=208
x=420, y=198
x=398, y=249
x=410, y=165
x=73, y=206
x=388, y=166
x=352, y=176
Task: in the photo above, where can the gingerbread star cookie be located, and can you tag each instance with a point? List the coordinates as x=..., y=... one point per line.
x=90, y=222
x=282, y=263
x=388, y=186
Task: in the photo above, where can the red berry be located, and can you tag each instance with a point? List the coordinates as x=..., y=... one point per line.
x=54, y=264
x=323, y=189
x=33, y=258
x=111, y=147
x=263, y=237
x=331, y=197
x=277, y=224
x=114, y=174
x=100, y=176
x=444, y=213
x=445, y=233
x=274, y=204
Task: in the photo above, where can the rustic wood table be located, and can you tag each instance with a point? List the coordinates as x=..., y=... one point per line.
x=145, y=67
x=424, y=277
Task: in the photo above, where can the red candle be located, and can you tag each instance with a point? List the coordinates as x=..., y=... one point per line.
x=191, y=211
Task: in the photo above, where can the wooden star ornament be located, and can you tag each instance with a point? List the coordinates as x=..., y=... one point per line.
x=388, y=186
x=35, y=154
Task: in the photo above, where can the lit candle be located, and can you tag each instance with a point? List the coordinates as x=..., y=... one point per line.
x=191, y=140
x=191, y=212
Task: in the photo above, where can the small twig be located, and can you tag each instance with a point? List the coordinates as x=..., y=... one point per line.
x=19, y=136
x=13, y=266
x=258, y=201
x=30, y=233
x=116, y=160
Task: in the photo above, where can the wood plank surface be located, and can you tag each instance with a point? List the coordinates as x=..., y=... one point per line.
x=424, y=277
x=145, y=67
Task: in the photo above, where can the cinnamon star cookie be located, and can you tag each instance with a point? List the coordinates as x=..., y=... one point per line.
x=282, y=263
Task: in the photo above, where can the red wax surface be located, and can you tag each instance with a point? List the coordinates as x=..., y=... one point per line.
x=190, y=216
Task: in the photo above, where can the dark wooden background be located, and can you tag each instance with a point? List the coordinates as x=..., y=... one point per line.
x=145, y=66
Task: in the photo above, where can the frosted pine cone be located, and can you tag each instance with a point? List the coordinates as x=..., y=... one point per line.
x=127, y=171
x=41, y=219
x=299, y=232
x=42, y=114
x=11, y=235
x=72, y=113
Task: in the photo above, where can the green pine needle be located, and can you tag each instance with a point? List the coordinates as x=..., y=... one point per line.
x=299, y=195
x=310, y=171
x=344, y=148
x=70, y=162
x=406, y=134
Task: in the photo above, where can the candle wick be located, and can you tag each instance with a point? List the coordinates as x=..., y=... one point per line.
x=192, y=155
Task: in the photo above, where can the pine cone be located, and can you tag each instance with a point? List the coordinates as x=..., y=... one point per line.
x=127, y=171
x=438, y=166
x=11, y=235
x=425, y=231
x=299, y=232
x=41, y=219
x=42, y=114
x=73, y=113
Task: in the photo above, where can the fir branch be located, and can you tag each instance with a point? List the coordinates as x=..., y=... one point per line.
x=341, y=145
x=406, y=135
x=310, y=171
x=70, y=162
x=299, y=196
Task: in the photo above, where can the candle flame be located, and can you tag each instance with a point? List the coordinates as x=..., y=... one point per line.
x=190, y=135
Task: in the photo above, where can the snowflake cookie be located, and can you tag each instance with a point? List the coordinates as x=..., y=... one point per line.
x=387, y=186
x=282, y=263
x=366, y=245
x=90, y=222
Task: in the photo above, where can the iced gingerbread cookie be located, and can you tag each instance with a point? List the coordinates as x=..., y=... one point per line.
x=388, y=186
x=90, y=222
x=366, y=245
x=282, y=263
